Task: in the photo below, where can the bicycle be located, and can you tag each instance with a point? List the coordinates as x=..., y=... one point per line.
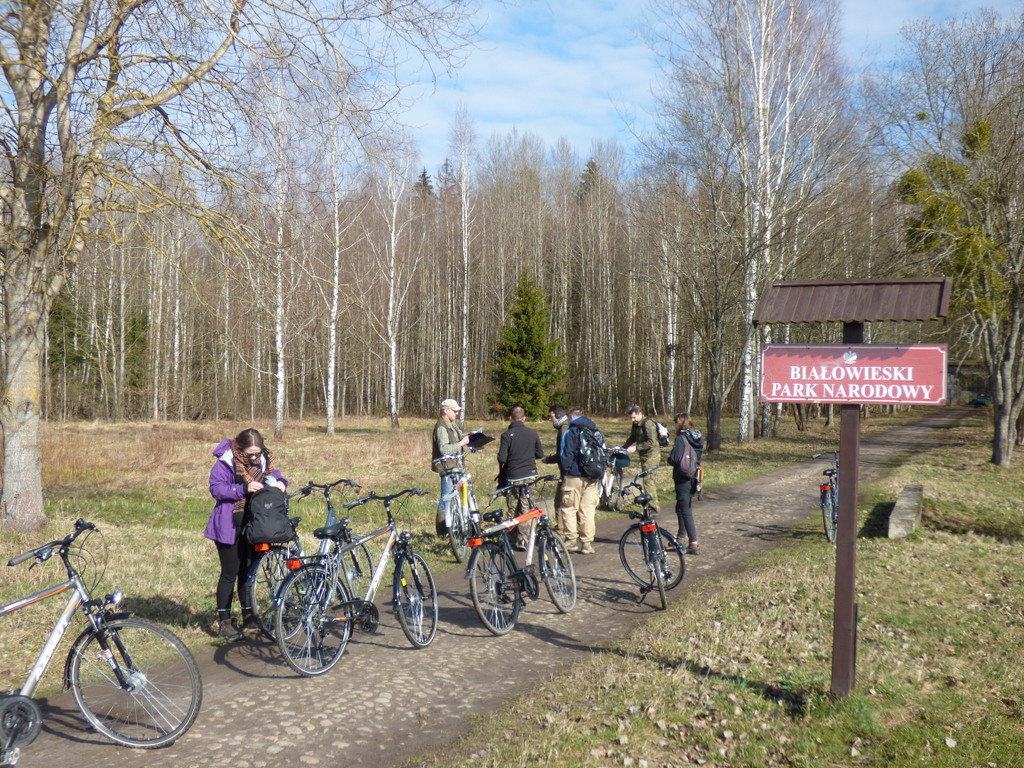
x=830, y=495
x=135, y=682
x=269, y=568
x=652, y=556
x=497, y=584
x=316, y=612
x=611, y=481
x=460, y=507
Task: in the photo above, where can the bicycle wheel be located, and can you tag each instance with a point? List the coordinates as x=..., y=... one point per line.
x=458, y=531
x=631, y=555
x=557, y=571
x=674, y=565
x=659, y=581
x=416, y=600
x=829, y=512
x=266, y=575
x=162, y=693
x=311, y=627
x=495, y=592
x=613, y=496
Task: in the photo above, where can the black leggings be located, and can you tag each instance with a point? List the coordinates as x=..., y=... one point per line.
x=234, y=567
x=684, y=511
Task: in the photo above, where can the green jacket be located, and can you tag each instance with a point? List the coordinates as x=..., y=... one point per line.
x=644, y=435
x=445, y=441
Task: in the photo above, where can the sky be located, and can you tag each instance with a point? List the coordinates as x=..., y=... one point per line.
x=579, y=70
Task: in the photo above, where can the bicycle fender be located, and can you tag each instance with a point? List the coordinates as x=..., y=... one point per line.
x=83, y=636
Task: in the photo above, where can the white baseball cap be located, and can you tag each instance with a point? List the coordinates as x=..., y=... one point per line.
x=453, y=404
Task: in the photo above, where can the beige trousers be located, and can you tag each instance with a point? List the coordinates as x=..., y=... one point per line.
x=577, y=507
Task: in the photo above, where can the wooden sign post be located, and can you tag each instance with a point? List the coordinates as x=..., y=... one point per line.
x=852, y=374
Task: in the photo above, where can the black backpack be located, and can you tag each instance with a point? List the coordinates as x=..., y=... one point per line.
x=266, y=517
x=592, y=455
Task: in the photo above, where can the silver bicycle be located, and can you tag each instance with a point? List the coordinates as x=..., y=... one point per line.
x=135, y=682
x=461, y=513
x=316, y=610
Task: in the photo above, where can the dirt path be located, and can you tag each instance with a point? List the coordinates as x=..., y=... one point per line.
x=386, y=702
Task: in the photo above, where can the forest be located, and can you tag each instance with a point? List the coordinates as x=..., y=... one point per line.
x=239, y=230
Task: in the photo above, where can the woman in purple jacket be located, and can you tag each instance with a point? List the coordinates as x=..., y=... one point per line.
x=242, y=467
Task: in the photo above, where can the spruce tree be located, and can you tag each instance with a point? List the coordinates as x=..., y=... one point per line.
x=527, y=367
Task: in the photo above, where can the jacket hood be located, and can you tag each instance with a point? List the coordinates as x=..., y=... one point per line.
x=582, y=421
x=222, y=447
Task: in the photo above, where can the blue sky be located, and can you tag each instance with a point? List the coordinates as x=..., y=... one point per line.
x=577, y=69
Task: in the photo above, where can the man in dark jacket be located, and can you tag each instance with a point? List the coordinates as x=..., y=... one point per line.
x=578, y=499
x=517, y=459
x=519, y=449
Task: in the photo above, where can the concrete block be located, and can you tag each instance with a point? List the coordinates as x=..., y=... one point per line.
x=906, y=512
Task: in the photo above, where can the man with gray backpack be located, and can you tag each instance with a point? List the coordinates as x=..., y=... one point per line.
x=581, y=457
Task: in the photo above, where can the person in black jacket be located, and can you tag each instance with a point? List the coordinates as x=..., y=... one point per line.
x=518, y=452
x=686, y=486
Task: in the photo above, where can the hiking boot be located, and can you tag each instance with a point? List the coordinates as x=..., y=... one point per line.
x=693, y=548
x=249, y=624
x=228, y=630
x=441, y=528
x=587, y=549
x=573, y=545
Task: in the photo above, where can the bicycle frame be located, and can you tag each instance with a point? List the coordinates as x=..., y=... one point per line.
x=462, y=488
x=76, y=599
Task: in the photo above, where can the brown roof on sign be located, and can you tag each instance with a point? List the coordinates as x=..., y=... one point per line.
x=854, y=301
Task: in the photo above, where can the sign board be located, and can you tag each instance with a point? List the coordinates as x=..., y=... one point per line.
x=853, y=373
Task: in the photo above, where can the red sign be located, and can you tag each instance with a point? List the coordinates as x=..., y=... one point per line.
x=853, y=373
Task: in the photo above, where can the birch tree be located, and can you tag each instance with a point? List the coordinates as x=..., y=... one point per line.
x=755, y=96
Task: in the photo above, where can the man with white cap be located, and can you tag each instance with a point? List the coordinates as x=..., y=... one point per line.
x=447, y=440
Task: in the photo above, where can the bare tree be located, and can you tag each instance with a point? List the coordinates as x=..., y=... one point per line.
x=92, y=91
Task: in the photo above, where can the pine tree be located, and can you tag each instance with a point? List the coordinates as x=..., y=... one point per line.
x=527, y=367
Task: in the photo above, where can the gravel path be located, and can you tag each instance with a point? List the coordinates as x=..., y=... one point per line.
x=386, y=702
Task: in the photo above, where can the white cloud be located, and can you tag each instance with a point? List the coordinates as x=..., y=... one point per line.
x=572, y=69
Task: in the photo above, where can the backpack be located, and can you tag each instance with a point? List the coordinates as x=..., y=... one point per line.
x=591, y=455
x=266, y=517
x=662, y=433
x=688, y=461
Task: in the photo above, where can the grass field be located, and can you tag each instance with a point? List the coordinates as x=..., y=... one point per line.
x=738, y=675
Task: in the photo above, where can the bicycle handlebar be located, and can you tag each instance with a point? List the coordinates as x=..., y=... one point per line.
x=45, y=551
x=833, y=454
x=310, y=486
x=646, y=472
x=525, y=482
x=386, y=498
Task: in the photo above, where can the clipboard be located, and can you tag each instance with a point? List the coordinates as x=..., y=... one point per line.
x=478, y=440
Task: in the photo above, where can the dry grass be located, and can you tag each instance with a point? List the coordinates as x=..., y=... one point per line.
x=738, y=675
x=761, y=642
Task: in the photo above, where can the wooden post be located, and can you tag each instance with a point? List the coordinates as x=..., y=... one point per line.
x=844, y=629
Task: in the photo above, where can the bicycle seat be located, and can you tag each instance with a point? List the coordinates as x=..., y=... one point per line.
x=829, y=472
x=643, y=499
x=494, y=516
x=332, y=531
